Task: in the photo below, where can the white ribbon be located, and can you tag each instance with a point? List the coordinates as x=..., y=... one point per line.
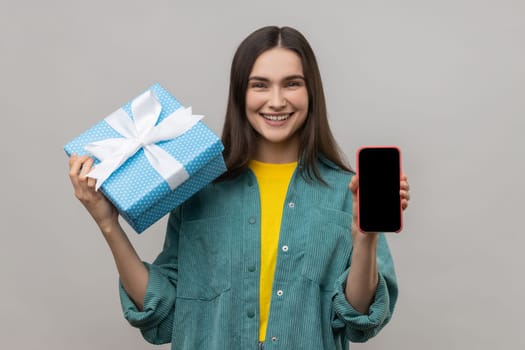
x=141, y=132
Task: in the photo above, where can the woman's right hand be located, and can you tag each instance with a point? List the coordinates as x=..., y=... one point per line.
x=100, y=208
x=133, y=273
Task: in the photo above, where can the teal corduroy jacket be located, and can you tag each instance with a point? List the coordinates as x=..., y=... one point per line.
x=203, y=289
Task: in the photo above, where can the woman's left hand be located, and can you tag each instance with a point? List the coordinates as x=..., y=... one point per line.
x=354, y=185
x=363, y=279
x=404, y=192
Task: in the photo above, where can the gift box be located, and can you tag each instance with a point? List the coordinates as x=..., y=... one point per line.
x=150, y=156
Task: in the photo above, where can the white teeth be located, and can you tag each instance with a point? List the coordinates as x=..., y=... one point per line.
x=277, y=117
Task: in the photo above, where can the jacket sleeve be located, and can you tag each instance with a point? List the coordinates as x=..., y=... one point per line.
x=156, y=320
x=360, y=327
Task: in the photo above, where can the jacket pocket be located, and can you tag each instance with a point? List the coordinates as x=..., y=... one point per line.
x=328, y=245
x=204, y=258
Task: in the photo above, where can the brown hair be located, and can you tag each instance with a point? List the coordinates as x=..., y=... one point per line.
x=239, y=138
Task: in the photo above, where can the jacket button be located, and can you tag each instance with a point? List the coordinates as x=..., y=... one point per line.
x=250, y=314
x=252, y=220
x=251, y=268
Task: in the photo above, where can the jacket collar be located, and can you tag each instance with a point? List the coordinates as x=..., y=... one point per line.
x=321, y=159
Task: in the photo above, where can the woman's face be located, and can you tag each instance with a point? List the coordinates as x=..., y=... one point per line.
x=277, y=100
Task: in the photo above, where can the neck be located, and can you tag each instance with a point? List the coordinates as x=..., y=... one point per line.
x=277, y=153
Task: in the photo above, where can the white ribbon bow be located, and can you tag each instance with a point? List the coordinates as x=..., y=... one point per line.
x=141, y=132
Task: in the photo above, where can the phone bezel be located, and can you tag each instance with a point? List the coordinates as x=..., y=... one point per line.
x=358, y=153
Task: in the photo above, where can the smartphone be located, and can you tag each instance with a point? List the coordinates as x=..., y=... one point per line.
x=379, y=200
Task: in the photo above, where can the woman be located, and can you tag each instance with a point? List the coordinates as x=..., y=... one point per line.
x=270, y=254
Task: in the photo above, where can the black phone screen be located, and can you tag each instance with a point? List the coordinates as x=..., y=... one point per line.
x=379, y=170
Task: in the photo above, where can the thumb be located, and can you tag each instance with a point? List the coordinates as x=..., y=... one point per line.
x=354, y=184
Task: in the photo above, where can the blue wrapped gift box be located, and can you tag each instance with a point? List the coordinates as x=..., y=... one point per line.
x=139, y=193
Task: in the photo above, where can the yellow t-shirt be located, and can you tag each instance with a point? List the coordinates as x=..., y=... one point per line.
x=273, y=180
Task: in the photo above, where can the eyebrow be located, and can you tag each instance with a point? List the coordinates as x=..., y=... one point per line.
x=290, y=77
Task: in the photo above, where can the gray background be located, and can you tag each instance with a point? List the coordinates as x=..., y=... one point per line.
x=444, y=80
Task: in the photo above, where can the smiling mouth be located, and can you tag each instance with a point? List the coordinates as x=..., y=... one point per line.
x=276, y=117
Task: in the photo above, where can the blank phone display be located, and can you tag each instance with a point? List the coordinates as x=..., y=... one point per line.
x=379, y=199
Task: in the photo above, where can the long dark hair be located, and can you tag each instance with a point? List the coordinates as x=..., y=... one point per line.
x=239, y=138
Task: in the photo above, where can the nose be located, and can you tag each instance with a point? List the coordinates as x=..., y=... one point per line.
x=277, y=99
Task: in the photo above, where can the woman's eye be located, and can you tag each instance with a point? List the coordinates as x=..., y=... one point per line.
x=293, y=83
x=258, y=85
